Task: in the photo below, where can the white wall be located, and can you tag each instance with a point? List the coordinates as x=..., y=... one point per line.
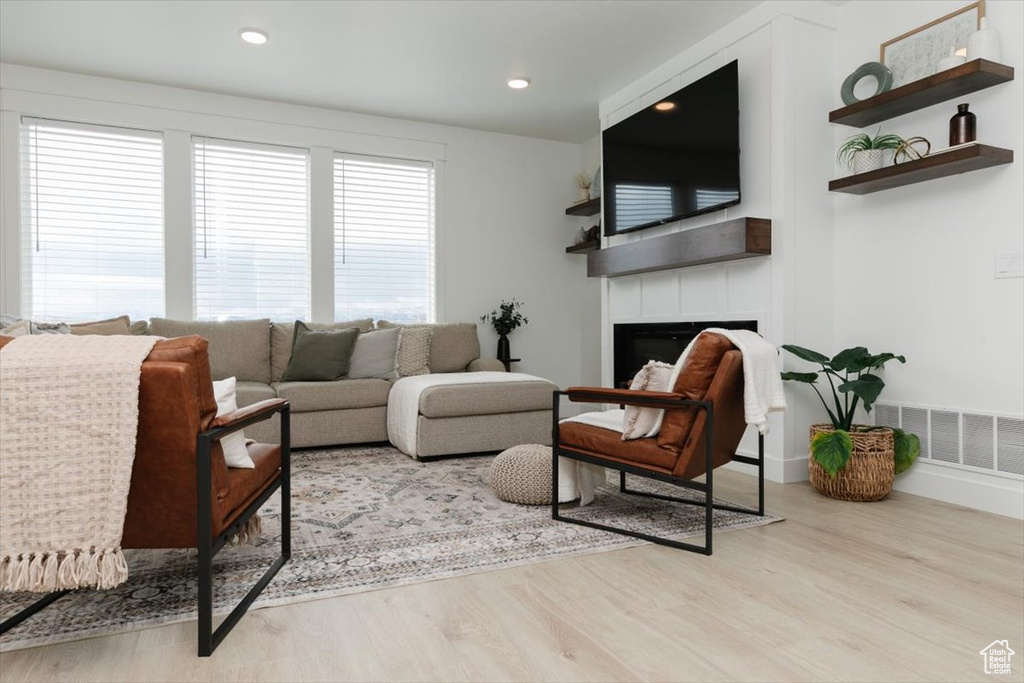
x=501, y=202
x=914, y=266
x=590, y=301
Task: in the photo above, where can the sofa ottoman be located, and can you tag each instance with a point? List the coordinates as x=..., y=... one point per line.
x=458, y=413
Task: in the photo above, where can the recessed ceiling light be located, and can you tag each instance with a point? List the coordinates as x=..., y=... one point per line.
x=665, y=106
x=518, y=83
x=253, y=35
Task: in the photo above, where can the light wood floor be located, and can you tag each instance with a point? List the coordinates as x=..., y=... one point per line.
x=903, y=590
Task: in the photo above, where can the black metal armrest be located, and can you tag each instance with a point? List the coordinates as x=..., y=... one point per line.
x=243, y=417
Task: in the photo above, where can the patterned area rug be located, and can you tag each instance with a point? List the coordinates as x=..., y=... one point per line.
x=364, y=518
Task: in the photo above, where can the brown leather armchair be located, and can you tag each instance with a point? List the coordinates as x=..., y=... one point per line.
x=182, y=494
x=703, y=425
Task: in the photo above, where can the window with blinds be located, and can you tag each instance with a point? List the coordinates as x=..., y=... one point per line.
x=251, y=231
x=92, y=222
x=383, y=239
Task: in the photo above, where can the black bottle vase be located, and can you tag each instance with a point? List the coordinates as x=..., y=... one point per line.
x=504, y=352
x=963, y=127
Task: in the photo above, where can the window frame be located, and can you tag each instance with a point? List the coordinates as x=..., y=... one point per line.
x=194, y=138
x=434, y=265
x=26, y=226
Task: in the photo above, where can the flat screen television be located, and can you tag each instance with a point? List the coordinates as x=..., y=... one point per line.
x=677, y=158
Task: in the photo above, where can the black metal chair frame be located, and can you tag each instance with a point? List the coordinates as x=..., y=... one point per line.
x=207, y=545
x=706, y=487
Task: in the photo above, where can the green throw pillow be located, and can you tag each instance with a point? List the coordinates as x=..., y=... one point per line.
x=319, y=355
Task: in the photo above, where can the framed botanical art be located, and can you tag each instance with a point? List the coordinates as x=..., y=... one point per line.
x=916, y=54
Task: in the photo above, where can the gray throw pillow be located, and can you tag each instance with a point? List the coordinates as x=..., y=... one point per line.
x=374, y=355
x=320, y=355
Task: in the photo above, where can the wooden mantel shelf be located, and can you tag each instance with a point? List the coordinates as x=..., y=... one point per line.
x=946, y=163
x=741, y=238
x=971, y=77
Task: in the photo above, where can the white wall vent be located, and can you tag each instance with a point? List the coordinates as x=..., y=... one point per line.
x=976, y=441
x=979, y=441
x=1010, y=451
x=945, y=436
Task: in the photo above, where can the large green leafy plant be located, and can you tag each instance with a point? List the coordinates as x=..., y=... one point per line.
x=853, y=382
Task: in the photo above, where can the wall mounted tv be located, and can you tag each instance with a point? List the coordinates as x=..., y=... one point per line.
x=677, y=158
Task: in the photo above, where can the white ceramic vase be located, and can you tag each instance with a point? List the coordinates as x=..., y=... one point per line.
x=868, y=160
x=584, y=194
x=984, y=43
x=952, y=61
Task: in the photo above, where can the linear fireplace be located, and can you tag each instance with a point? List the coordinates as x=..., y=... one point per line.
x=637, y=343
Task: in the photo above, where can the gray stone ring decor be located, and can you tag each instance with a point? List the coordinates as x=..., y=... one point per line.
x=880, y=72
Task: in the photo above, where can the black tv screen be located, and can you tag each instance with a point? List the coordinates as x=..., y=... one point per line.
x=677, y=158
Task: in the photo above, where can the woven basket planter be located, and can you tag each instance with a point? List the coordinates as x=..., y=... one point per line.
x=869, y=473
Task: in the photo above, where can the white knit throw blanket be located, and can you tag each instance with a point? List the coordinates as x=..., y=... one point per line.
x=69, y=408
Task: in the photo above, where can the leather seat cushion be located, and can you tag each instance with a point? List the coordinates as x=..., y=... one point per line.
x=606, y=442
x=456, y=400
x=244, y=485
x=340, y=395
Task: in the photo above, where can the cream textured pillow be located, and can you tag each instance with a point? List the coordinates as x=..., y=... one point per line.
x=643, y=422
x=110, y=326
x=413, y=354
x=235, y=452
x=21, y=328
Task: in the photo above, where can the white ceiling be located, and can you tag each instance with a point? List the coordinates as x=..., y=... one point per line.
x=443, y=62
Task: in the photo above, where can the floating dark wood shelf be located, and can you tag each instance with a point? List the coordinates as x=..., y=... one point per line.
x=943, y=86
x=584, y=247
x=591, y=207
x=741, y=238
x=938, y=165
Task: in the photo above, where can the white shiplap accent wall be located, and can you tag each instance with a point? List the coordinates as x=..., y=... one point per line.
x=781, y=179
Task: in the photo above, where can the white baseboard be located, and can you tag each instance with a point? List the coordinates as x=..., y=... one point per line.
x=999, y=495
x=775, y=469
x=977, y=490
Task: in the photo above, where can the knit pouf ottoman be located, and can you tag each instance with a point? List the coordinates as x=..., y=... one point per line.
x=522, y=474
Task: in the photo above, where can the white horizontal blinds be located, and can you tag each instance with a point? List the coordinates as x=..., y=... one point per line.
x=383, y=239
x=251, y=231
x=92, y=222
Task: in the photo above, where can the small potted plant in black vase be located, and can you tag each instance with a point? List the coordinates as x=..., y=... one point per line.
x=505, y=319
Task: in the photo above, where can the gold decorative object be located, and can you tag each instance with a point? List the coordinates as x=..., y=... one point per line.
x=909, y=152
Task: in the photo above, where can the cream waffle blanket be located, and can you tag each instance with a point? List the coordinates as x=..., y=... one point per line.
x=69, y=410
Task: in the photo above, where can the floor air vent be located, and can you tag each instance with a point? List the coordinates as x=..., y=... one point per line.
x=990, y=443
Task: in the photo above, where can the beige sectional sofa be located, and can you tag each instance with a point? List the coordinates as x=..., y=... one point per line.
x=453, y=419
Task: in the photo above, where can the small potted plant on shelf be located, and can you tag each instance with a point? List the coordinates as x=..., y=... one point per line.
x=862, y=153
x=505, y=319
x=583, y=182
x=848, y=461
